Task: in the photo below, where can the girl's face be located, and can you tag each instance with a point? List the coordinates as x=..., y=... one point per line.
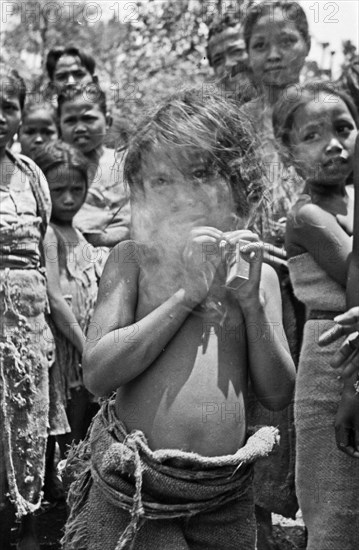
x=68, y=192
x=10, y=112
x=322, y=140
x=82, y=124
x=179, y=187
x=277, y=50
x=37, y=128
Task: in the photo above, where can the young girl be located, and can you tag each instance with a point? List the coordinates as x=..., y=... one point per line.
x=71, y=267
x=317, y=126
x=105, y=217
x=26, y=346
x=170, y=460
x=39, y=125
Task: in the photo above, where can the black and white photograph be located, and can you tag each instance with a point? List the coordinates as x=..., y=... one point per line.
x=179, y=275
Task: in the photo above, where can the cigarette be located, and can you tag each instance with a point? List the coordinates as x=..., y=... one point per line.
x=344, y=155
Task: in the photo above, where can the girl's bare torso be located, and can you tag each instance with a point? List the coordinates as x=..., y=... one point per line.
x=193, y=396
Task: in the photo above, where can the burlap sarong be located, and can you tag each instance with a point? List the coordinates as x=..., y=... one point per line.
x=128, y=497
x=327, y=479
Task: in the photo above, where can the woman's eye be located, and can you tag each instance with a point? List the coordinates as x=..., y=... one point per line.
x=344, y=128
x=199, y=174
x=69, y=120
x=259, y=45
x=9, y=107
x=159, y=182
x=310, y=136
x=217, y=61
x=287, y=41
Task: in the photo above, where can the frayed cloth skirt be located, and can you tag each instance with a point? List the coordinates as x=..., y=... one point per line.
x=126, y=496
x=327, y=479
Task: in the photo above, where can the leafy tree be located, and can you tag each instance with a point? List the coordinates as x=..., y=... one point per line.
x=144, y=50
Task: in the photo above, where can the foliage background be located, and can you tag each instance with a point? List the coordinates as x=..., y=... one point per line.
x=144, y=50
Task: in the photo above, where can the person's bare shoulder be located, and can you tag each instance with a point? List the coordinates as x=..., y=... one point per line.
x=122, y=267
x=118, y=290
x=306, y=222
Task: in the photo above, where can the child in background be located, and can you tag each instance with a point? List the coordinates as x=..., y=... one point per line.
x=177, y=346
x=26, y=345
x=105, y=217
x=317, y=127
x=39, y=126
x=72, y=269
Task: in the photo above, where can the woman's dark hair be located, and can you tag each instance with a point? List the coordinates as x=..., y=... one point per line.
x=92, y=93
x=291, y=11
x=33, y=106
x=58, y=154
x=212, y=126
x=54, y=55
x=297, y=96
x=15, y=82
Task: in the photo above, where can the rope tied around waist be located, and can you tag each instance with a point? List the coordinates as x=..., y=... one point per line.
x=137, y=511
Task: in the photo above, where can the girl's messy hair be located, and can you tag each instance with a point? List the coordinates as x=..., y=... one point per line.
x=297, y=96
x=210, y=125
x=32, y=106
x=58, y=153
x=13, y=82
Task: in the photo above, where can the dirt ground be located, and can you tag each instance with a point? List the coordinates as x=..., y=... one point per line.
x=288, y=534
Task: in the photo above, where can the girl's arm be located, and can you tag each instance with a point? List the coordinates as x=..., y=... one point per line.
x=61, y=313
x=312, y=229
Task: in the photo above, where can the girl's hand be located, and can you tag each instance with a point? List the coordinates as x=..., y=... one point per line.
x=202, y=256
x=248, y=291
x=347, y=422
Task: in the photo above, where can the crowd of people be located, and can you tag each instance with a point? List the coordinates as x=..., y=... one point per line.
x=180, y=316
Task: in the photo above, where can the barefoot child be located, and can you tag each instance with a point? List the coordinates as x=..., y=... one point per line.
x=26, y=346
x=178, y=346
x=317, y=127
x=105, y=217
x=71, y=269
x=39, y=126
